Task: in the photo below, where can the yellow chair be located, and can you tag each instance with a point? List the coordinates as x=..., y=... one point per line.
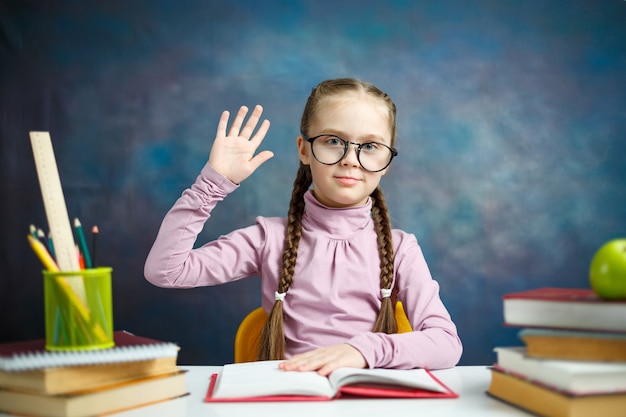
x=248, y=334
x=248, y=337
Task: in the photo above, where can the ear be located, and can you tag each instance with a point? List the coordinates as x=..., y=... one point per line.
x=303, y=150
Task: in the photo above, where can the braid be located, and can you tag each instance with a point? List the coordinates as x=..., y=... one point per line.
x=273, y=336
x=386, y=321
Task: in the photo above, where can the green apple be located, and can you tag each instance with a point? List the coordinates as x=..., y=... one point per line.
x=607, y=274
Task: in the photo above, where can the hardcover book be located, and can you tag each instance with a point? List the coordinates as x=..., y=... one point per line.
x=546, y=402
x=575, y=345
x=264, y=381
x=564, y=308
x=109, y=399
x=571, y=377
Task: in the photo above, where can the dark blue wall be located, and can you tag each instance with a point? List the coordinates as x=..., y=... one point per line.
x=512, y=139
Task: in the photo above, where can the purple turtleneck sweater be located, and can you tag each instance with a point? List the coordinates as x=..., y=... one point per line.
x=335, y=295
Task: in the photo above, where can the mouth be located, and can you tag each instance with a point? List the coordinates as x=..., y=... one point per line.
x=347, y=181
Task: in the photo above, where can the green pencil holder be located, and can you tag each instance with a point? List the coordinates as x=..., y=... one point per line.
x=78, y=309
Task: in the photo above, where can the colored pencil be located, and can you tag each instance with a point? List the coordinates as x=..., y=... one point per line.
x=42, y=253
x=51, y=245
x=80, y=257
x=82, y=242
x=94, y=245
x=42, y=238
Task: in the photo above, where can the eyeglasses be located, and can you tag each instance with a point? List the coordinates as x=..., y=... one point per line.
x=330, y=149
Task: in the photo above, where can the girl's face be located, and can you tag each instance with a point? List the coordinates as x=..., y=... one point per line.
x=354, y=118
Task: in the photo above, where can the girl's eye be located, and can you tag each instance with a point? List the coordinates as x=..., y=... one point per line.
x=372, y=146
x=334, y=141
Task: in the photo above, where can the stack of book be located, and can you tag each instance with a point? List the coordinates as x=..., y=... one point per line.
x=137, y=371
x=573, y=359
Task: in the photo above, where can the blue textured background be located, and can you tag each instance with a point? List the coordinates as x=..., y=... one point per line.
x=512, y=140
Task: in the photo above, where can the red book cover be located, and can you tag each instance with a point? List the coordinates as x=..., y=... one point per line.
x=557, y=294
x=352, y=391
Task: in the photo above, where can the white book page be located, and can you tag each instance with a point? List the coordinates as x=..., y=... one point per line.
x=256, y=379
x=578, y=377
x=411, y=378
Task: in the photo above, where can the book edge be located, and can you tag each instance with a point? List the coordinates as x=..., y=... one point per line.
x=52, y=381
x=72, y=404
x=129, y=348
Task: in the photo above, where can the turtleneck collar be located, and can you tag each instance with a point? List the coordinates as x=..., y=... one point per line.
x=338, y=223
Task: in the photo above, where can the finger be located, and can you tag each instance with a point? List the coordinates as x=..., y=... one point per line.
x=295, y=362
x=260, y=134
x=328, y=368
x=310, y=362
x=252, y=122
x=221, y=126
x=260, y=159
x=236, y=126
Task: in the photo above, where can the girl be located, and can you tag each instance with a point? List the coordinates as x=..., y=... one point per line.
x=332, y=270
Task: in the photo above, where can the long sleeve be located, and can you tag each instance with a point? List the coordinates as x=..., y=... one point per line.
x=434, y=343
x=174, y=263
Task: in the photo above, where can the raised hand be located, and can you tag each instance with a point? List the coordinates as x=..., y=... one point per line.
x=233, y=154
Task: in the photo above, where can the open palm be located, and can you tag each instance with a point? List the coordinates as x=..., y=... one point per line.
x=233, y=154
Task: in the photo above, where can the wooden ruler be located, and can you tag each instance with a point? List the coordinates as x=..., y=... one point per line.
x=56, y=210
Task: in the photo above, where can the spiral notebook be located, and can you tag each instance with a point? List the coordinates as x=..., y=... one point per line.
x=32, y=354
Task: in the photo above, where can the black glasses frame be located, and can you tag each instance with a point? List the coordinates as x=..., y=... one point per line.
x=346, y=147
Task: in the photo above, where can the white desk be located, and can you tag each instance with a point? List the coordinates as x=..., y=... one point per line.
x=470, y=382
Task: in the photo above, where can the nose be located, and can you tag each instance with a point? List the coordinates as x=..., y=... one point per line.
x=351, y=156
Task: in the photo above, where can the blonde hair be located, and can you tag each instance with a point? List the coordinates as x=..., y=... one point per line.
x=273, y=337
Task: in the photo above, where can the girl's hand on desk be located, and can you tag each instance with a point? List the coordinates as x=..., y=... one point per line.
x=325, y=360
x=232, y=154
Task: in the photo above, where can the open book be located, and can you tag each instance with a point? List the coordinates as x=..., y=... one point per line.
x=263, y=381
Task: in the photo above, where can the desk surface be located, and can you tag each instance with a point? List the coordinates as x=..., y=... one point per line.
x=470, y=382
